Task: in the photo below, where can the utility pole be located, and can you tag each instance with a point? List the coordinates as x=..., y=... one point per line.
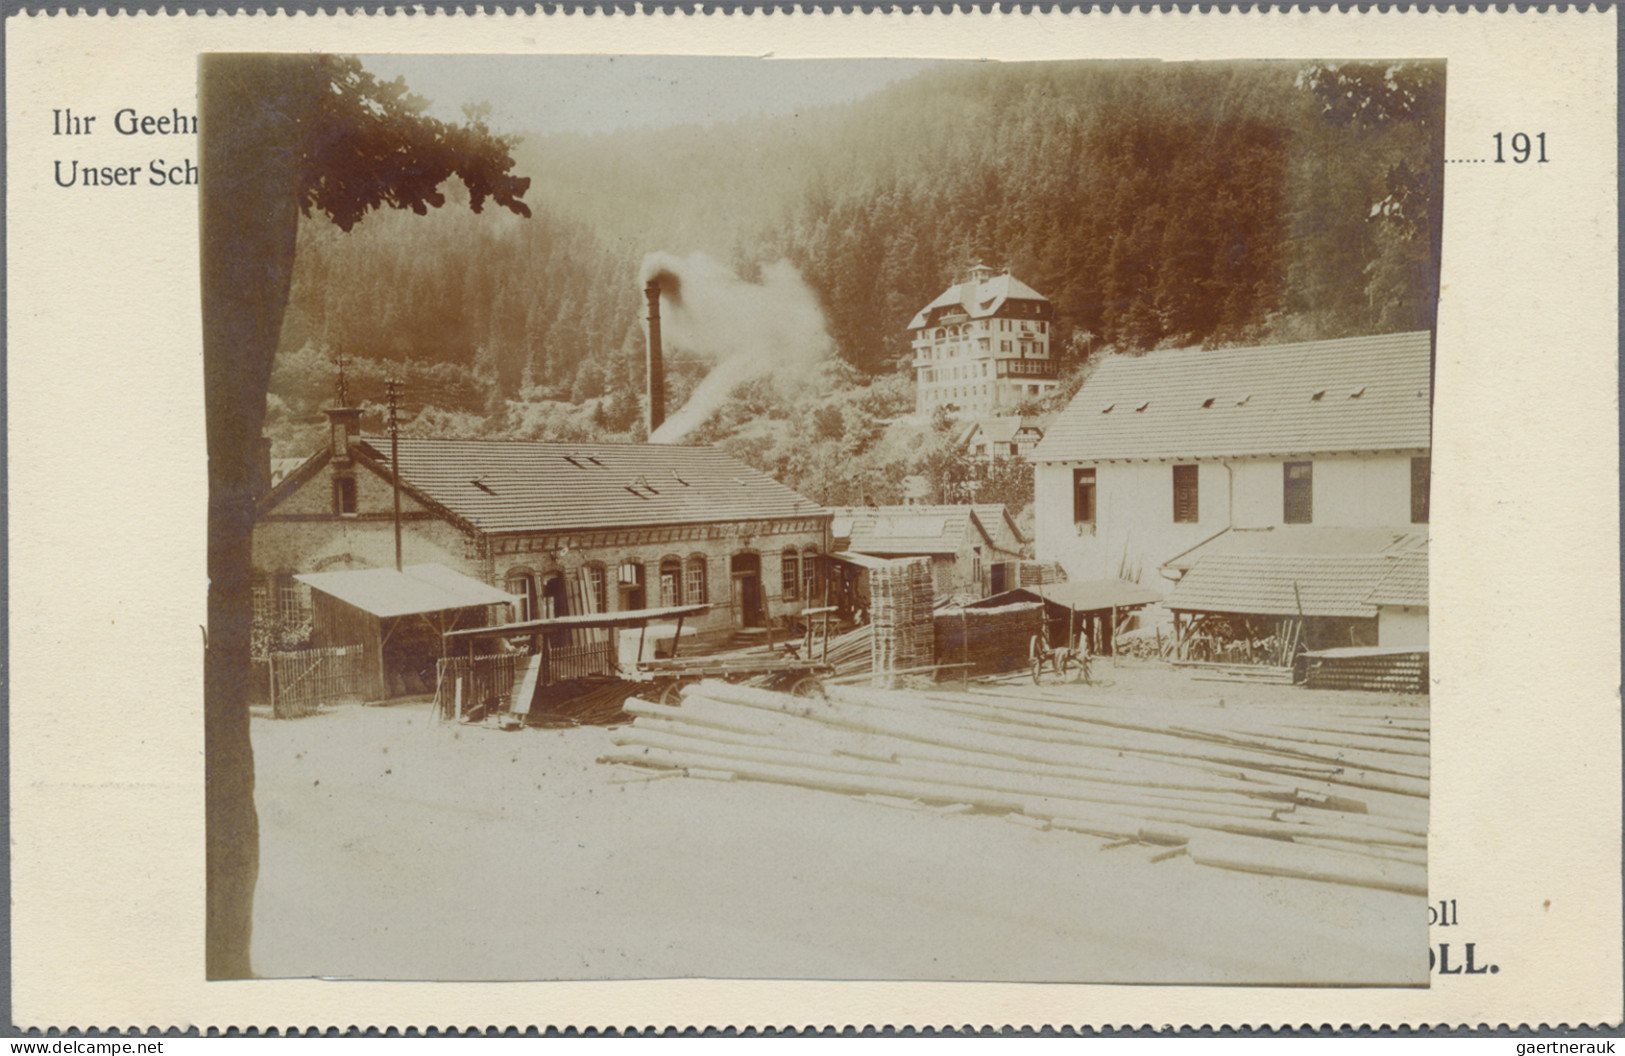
x=392, y=388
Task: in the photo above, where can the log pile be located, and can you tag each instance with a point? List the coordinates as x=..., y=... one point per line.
x=1327, y=790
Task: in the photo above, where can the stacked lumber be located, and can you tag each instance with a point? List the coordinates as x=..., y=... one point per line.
x=1328, y=791
x=1376, y=669
x=1040, y=574
x=589, y=702
x=852, y=652
x=902, y=598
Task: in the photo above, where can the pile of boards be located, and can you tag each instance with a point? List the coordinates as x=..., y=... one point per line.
x=1330, y=789
x=902, y=597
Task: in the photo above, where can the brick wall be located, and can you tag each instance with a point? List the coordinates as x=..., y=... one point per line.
x=303, y=533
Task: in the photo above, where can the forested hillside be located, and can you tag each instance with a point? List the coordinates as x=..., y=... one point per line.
x=1154, y=204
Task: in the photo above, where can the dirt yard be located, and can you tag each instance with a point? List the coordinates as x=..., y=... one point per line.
x=397, y=848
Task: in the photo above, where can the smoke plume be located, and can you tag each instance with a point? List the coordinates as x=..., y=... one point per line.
x=746, y=330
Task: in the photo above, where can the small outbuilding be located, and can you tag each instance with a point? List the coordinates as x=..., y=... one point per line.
x=1092, y=611
x=400, y=619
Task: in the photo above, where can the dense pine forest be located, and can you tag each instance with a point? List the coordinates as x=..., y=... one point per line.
x=1154, y=204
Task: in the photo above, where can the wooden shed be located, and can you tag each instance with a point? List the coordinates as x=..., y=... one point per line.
x=399, y=618
x=1094, y=610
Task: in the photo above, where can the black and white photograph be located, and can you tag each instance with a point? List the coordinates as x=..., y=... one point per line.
x=849, y=519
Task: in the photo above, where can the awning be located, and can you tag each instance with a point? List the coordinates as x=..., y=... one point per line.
x=861, y=560
x=386, y=593
x=583, y=621
x=1096, y=595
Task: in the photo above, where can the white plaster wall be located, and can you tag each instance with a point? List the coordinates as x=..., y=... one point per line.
x=1350, y=492
x=1402, y=625
x=1134, y=508
x=1134, y=519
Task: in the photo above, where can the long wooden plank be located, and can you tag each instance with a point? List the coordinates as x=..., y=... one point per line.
x=1308, y=863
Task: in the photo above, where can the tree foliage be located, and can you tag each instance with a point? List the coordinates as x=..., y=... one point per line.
x=1153, y=204
x=281, y=135
x=367, y=143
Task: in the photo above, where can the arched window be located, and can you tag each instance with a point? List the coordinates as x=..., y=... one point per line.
x=792, y=573
x=555, y=597
x=809, y=574
x=671, y=581
x=694, y=586
x=522, y=585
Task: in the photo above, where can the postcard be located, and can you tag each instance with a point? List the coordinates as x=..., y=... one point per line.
x=841, y=518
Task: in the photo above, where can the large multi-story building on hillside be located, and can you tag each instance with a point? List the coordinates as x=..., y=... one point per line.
x=983, y=346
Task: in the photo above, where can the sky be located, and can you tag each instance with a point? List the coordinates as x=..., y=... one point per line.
x=547, y=94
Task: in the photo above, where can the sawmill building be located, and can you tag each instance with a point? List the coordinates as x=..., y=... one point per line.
x=563, y=528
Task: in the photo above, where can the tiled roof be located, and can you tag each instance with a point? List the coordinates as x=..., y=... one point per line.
x=979, y=300
x=991, y=514
x=1302, y=540
x=1003, y=429
x=525, y=486
x=1336, y=571
x=1263, y=584
x=1352, y=394
x=1404, y=580
x=883, y=530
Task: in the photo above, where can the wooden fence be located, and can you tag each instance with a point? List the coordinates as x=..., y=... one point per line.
x=464, y=686
x=582, y=659
x=304, y=680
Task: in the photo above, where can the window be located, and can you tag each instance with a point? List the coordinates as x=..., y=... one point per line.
x=630, y=577
x=1083, y=497
x=344, y=496
x=292, y=599
x=809, y=574
x=792, y=574
x=1185, y=509
x=671, y=581
x=694, y=587
x=522, y=586
x=1421, y=486
x=1298, y=493
x=596, y=580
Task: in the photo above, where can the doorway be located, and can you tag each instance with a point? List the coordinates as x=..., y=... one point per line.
x=747, y=590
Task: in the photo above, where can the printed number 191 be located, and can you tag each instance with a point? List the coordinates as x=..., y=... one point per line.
x=1522, y=148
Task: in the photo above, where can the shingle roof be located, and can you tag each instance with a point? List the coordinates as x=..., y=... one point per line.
x=1351, y=394
x=525, y=486
x=978, y=300
x=885, y=530
x=1404, y=580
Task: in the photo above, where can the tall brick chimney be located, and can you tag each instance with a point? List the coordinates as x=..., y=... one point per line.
x=656, y=375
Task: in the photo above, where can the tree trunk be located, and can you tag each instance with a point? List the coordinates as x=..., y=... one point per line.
x=252, y=111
